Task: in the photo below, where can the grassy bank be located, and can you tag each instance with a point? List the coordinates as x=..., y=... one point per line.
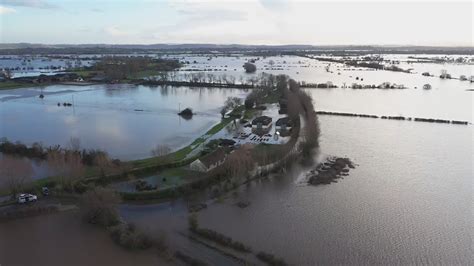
x=9, y=85
x=182, y=153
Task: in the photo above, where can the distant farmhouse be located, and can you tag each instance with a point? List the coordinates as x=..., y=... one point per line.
x=209, y=161
x=261, y=125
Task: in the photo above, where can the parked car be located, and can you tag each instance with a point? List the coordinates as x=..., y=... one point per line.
x=45, y=191
x=25, y=198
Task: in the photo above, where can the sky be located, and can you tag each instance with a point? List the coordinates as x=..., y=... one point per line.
x=272, y=22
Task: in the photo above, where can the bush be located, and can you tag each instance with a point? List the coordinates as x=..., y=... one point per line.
x=249, y=67
x=128, y=237
x=98, y=206
x=81, y=187
x=249, y=103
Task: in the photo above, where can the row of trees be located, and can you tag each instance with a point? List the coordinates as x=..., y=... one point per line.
x=122, y=67
x=67, y=167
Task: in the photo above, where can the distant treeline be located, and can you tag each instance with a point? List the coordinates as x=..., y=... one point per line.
x=194, y=84
x=359, y=63
x=265, y=50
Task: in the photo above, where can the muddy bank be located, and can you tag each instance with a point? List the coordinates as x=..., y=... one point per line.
x=329, y=171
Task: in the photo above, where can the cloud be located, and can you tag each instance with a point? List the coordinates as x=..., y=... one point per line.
x=276, y=5
x=6, y=10
x=30, y=3
x=114, y=31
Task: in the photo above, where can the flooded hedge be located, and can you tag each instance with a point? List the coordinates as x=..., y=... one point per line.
x=416, y=119
x=220, y=239
x=271, y=259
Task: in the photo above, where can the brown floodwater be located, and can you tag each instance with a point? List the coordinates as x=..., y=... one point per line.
x=64, y=239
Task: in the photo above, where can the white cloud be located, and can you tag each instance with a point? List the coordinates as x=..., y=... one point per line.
x=6, y=10
x=114, y=31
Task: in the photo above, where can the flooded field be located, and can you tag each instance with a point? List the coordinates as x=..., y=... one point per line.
x=448, y=98
x=124, y=120
x=407, y=202
x=64, y=239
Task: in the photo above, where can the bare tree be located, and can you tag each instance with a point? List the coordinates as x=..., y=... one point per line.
x=15, y=174
x=271, y=63
x=240, y=162
x=74, y=144
x=67, y=167
x=7, y=73
x=161, y=150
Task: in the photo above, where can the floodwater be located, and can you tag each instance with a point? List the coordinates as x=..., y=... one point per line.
x=409, y=200
x=127, y=121
x=64, y=239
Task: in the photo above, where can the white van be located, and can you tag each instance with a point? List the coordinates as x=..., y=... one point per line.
x=25, y=198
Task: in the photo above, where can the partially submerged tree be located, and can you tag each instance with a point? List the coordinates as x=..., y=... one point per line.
x=67, y=167
x=161, y=150
x=186, y=113
x=230, y=104
x=74, y=144
x=249, y=67
x=99, y=206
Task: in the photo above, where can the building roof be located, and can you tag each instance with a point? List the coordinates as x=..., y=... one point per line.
x=213, y=157
x=264, y=120
x=284, y=121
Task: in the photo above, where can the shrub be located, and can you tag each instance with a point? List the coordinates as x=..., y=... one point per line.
x=249, y=67
x=186, y=112
x=249, y=103
x=98, y=206
x=128, y=237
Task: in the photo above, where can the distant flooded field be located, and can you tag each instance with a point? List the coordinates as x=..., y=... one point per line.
x=448, y=98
